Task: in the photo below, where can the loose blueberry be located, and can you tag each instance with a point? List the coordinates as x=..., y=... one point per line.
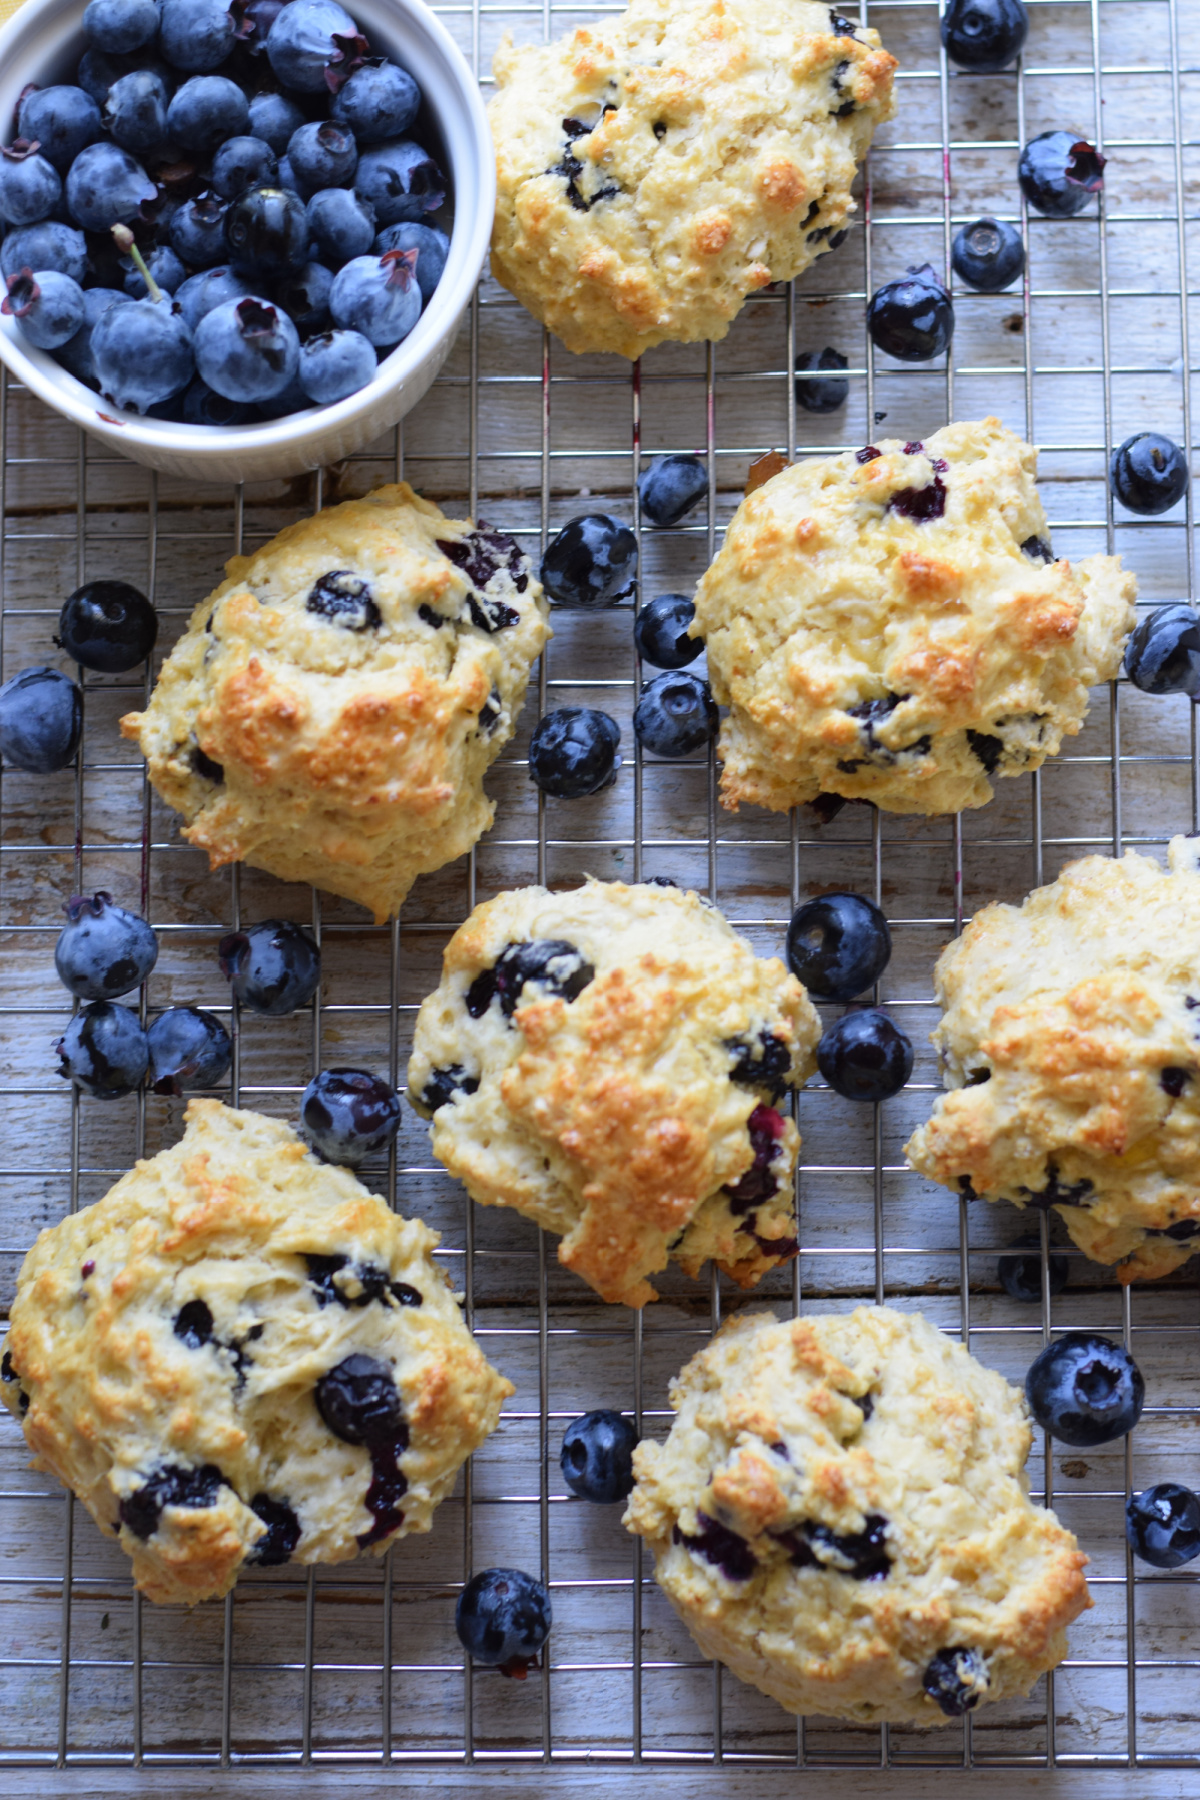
x=200, y=293
x=984, y=34
x=323, y=154
x=1021, y=1276
x=62, y=121
x=675, y=715
x=444, y=1085
x=119, y=26
x=344, y=598
x=550, y=963
x=103, y=951
x=266, y=229
x=272, y=968
x=592, y=562
x=107, y=186
x=838, y=945
x=273, y=118
x=189, y=1048
x=143, y=353
x=988, y=254
x=334, y=365
x=400, y=180
x=282, y=1533
x=30, y=185
x=596, y=1458
x=573, y=752
x=48, y=307
x=815, y=393
x=41, y=720
x=379, y=101
x=135, y=111
x=205, y=112
x=912, y=319
x=247, y=350
x=46, y=245
x=196, y=35
x=342, y=226
x=1059, y=173
x=503, y=1618
x=670, y=486
x=1085, y=1390
x=174, y=1485
x=76, y=354
x=243, y=162
x=432, y=247
x=1163, y=1525
x=197, y=234
x=660, y=632
x=864, y=1057
x=1149, y=473
x=360, y=1403
x=314, y=46
x=956, y=1680
x=349, y=1114
x=1163, y=652
x=103, y=1051
x=304, y=296
x=163, y=267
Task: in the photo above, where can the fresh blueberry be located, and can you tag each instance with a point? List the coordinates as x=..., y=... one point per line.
x=266, y=230
x=400, y=180
x=41, y=719
x=202, y=407
x=814, y=393
x=46, y=245
x=103, y=951
x=956, y=1680
x=1149, y=473
x=670, y=486
x=107, y=186
x=273, y=118
x=243, y=162
x=1163, y=1525
x=98, y=70
x=196, y=35
x=188, y=1048
x=293, y=399
x=597, y=1457
x=912, y=319
x=1021, y=1275
x=1163, y=653
x=135, y=111
x=838, y=945
x=103, y=1051
x=503, y=1618
x=574, y=752
x=108, y=626
x=257, y=18
x=62, y=121
x=30, y=185
x=76, y=354
x=48, y=307
x=342, y=226
x=379, y=101
x=985, y=35
x=304, y=297
x=323, y=154
x=1085, y=1390
x=335, y=364
x=349, y=1114
x=273, y=968
x=378, y=296
x=247, y=350
x=864, y=1057
x=205, y=111
x=197, y=232
x=165, y=269
x=1059, y=173
x=314, y=45
x=988, y=255
x=119, y=26
x=592, y=562
x=432, y=247
x=199, y=294
x=660, y=632
x=143, y=353
x=675, y=715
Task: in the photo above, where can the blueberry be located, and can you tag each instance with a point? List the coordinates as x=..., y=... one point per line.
x=243, y=162
x=864, y=1057
x=103, y=1051
x=76, y=354
x=135, y=110
x=1149, y=473
x=266, y=229
x=670, y=486
x=194, y=1324
x=345, y=599
x=400, y=180
x=314, y=45
x=349, y=1114
x=48, y=307
x=592, y=562
x=360, y=1403
x=119, y=26
x=988, y=255
x=765, y=1061
x=273, y=967
x=1163, y=1525
x=247, y=350
x=551, y=963
x=273, y=118
x=202, y=407
x=503, y=1618
x=985, y=35
x=432, y=247
x=334, y=365
x=97, y=71
x=304, y=297
x=378, y=296
x=103, y=951
x=30, y=185
x=143, y=353
x=41, y=720
x=188, y=1048
x=1085, y=1390
x=675, y=715
x=62, y=121
x=205, y=111
x=342, y=226
x=379, y=101
x=200, y=293
x=444, y=1086
x=172, y=1485
x=573, y=751
x=1163, y=652
x=1021, y=1276
x=719, y=1546
x=197, y=233
x=107, y=186
x=660, y=632
x=165, y=269
x=956, y=1680
x=597, y=1457
x=838, y=945
x=282, y=1533
x=912, y=319
x=323, y=154
x=46, y=245
x=257, y=18
x=196, y=35
x=1059, y=173
x=812, y=393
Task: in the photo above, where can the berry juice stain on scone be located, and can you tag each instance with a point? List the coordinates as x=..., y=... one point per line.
x=889, y=625
x=656, y=169
x=609, y=1062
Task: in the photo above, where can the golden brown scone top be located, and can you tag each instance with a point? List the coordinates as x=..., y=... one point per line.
x=1070, y=1042
x=886, y=625
x=332, y=708
x=841, y=1501
x=623, y=1092
x=168, y=1345
x=656, y=168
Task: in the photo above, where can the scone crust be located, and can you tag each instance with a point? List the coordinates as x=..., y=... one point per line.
x=716, y=163
x=1070, y=1043
x=109, y=1393
x=871, y=654
x=612, y=1118
x=773, y=1432
x=351, y=758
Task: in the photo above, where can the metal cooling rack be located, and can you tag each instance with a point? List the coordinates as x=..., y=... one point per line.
x=360, y=1664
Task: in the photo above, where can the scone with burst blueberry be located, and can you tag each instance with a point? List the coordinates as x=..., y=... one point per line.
x=657, y=168
x=1070, y=1043
x=332, y=709
x=240, y=1356
x=840, y=1514
x=608, y=1062
x=891, y=625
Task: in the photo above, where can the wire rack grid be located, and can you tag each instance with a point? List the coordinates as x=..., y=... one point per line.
x=360, y=1664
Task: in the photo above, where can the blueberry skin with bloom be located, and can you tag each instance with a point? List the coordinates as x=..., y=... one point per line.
x=196, y=35
x=670, y=486
x=348, y=1115
x=103, y=1051
x=323, y=154
x=675, y=715
x=401, y=181
x=1059, y=173
x=573, y=752
x=266, y=231
x=1021, y=1275
x=984, y=35
x=1085, y=1390
x=838, y=945
x=988, y=255
x=912, y=319
x=205, y=111
x=592, y=562
x=660, y=632
x=135, y=110
x=108, y=626
x=379, y=101
x=165, y=269
x=1148, y=473
x=432, y=247
x=314, y=45
x=197, y=231
x=76, y=354
x=273, y=967
x=47, y=245
x=200, y=293
x=1163, y=1525
x=304, y=296
x=596, y=1458
x=62, y=121
x=378, y=296
x=188, y=1048
x=503, y=1617
x=202, y=407
x=864, y=1057
x=273, y=118
x=107, y=186
x=30, y=185
x=342, y=226
x=334, y=365
x=1163, y=653
x=103, y=951
x=119, y=26
x=41, y=719
x=143, y=353
x=48, y=307
x=243, y=162
x=817, y=396
x=96, y=72
x=247, y=350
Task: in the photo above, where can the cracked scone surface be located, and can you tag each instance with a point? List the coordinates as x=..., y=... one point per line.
x=608, y=1062
x=332, y=709
x=1070, y=1043
x=655, y=169
x=887, y=625
x=842, y=1500
x=170, y=1350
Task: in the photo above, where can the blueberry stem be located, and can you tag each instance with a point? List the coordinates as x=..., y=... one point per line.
x=126, y=245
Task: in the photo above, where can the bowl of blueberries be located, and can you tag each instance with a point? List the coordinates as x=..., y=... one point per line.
x=239, y=236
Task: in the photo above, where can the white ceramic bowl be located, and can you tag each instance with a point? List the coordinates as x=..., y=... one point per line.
x=43, y=41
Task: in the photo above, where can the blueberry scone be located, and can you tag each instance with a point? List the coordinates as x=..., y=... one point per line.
x=241, y=1356
x=840, y=1514
x=891, y=625
x=657, y=168
x=1070, y=1043
x=332, y=709
x=608, y=1062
